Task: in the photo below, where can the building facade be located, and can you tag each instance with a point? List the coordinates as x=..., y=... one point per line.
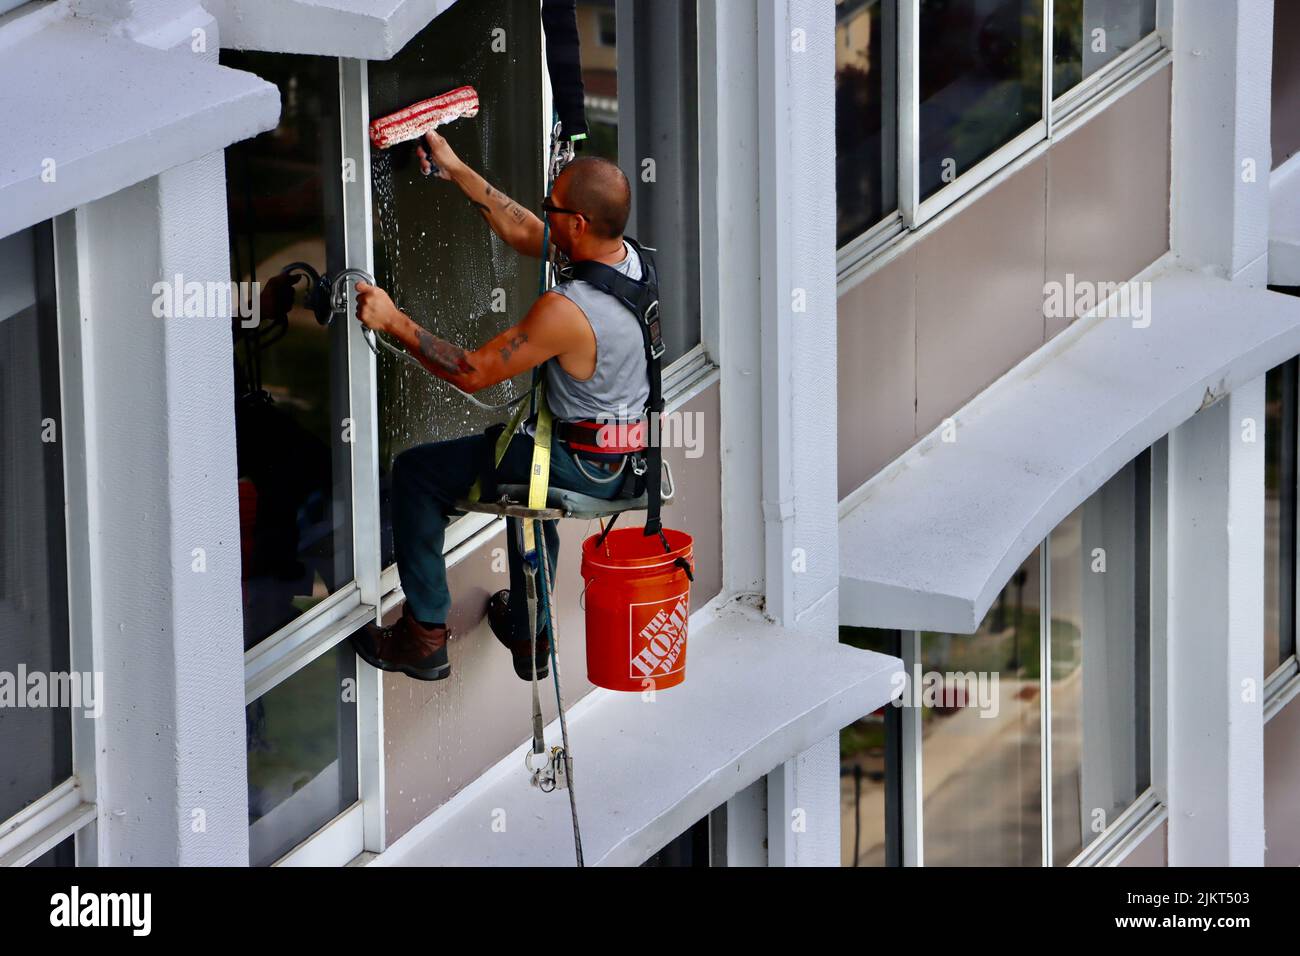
x=982, y=399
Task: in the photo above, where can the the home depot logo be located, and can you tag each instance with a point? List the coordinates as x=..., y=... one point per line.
x=658, y=638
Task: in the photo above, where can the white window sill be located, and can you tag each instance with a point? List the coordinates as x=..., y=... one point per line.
x=755, y=695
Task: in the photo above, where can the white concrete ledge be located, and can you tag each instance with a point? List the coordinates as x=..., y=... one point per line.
x=86, y=114
x=754, y=696
x=928, y=543
x=364, y=29
x=1284, y=224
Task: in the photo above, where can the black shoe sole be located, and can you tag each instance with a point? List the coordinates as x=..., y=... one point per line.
x=436, y=672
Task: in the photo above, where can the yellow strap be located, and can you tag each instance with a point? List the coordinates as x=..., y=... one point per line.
x=539, y=477
x=503, y=442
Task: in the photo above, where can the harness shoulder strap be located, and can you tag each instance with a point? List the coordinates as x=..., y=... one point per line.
x=641, y=297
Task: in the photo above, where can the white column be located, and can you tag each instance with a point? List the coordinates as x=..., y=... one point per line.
x=163, y=513
x=1219, y=223
x=796, y=104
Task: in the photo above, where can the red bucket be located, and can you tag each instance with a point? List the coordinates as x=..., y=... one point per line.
x=638, y=600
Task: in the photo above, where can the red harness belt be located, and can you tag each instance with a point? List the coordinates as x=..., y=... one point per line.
x=603, y=438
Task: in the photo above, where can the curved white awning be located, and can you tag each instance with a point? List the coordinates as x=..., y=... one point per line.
x=754, y=696
x=928, y=543
x=364, y=29
x=86, y=114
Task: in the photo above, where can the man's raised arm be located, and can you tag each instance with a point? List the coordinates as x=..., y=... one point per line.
x=518, y=226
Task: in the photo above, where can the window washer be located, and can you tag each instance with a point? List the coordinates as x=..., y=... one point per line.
x=591, y=346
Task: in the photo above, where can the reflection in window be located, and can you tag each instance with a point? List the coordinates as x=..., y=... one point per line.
x=1088, y=34
x=302, y=754
x=870, y=773
x=1280, y=420
x=659, y=121
x=35, y=742
x=433, y=252
x=1100, y=601
x=598, y=38
x=284, y=206
x=981, y=82
x=980, y=741
x=866, y=119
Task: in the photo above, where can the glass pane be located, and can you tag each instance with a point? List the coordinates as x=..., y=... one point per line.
x=689, y=849
x=284, y=206
x=64, y=854
x=869, y=771
x=866, y=116
x=1279, y=514
x=433, y=252
x=598, y=40
x=302, y=755
x=660, y=121
x=981, y=734
x=981, y=82
x=1100, y=660
x=35, y=738
x=1088, y=34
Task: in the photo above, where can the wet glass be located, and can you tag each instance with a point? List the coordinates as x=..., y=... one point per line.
x=434, y=253
x=1100, y=601
x=866, y=113
x=981, y=734
x=869, y=768
x=1280, y=420
x=35, y=741
x=1088, y=34
x=302, y=754
x=598, y=39
x=981, y=82
x=284, y=205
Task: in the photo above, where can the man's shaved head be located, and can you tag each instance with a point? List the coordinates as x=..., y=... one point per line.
x=598, y=189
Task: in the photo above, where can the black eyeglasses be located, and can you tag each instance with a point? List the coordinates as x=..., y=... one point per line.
x=549, y=207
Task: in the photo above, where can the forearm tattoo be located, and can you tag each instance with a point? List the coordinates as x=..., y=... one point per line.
x=507, y=205
x=513, y=346
x=450, y=360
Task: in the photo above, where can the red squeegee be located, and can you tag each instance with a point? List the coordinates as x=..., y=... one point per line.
x=414, y=121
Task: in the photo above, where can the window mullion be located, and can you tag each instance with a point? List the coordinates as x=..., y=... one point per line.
x=909, y=110
x=1048, y=53
x=913, y=793
x=1045, y=692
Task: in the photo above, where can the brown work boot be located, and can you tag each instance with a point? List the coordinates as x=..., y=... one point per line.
x=407, y=646
x=500, y=620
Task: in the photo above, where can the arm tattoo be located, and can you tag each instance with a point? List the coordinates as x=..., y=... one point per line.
x=513, y=346
x=506, y=204
x=451, y=360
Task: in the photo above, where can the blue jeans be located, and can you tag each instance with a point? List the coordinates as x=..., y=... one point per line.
x=426, y=483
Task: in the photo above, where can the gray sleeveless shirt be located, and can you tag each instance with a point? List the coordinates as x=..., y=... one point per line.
x=619, y=388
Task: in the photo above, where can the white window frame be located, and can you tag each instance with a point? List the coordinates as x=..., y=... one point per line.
x=375, y=589
x=1282, y=684
x=68, y=809
x=1148, y=809
x=876, y=244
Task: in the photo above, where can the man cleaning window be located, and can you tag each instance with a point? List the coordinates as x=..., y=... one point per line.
x=593, y=355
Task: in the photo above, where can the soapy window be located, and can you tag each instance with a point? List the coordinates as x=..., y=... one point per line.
x=433, y=251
